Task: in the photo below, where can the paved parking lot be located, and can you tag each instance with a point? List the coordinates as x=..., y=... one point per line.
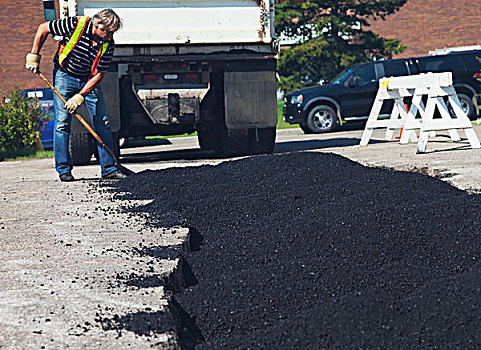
x=67, y=257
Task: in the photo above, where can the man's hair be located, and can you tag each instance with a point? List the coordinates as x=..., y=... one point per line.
x=110, y=20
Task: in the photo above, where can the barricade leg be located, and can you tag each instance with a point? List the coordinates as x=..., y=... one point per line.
x=423, y=142
x=394, y=116
x=412, y=124
x=366, y=136
x=472, y=138
x=443, y=110
x=367, y=133
x=423, y=133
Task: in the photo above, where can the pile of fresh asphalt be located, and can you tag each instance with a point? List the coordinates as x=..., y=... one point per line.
x=311, y=251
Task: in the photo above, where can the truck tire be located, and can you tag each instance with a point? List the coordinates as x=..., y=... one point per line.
x=206, y=138
x=232, y=142
x=467, y=106
x=80, y=148
x=321, y=119
x=262, y=140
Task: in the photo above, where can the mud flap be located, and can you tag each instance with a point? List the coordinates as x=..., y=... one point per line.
x=250, y=99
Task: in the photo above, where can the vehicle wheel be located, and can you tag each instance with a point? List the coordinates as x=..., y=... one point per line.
x=80, y=148
x=206, y=138
x=231, y=142
x=467, y=106
x=262, y=140
x=305, y=129
x=321, y=119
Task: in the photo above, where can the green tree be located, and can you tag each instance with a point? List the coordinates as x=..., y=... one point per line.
x=20, y=119
x=331, y=35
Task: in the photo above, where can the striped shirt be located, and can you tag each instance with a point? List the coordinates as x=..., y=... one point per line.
x=79, y=61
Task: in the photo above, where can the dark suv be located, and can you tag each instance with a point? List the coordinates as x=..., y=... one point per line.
x=350, y=96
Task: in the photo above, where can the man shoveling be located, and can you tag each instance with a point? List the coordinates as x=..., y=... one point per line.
x=81, y=61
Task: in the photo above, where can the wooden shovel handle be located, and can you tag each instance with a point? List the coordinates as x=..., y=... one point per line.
x=78, y=116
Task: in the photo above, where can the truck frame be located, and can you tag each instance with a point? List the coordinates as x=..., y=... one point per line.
x=188, y=66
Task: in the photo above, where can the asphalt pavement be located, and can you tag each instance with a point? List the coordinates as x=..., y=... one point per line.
x=71, y=262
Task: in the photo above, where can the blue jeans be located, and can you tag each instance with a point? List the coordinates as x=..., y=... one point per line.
x=95, y=103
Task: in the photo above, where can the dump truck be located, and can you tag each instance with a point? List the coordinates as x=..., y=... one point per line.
x=187, y=66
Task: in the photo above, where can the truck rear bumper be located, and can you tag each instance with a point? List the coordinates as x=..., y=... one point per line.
x=120, y=57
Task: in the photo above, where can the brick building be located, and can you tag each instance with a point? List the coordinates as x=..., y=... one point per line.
x=422, y=25
x=426, y=25
x=18, y=23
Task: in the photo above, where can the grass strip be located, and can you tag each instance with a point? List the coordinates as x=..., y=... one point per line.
x=22, y=154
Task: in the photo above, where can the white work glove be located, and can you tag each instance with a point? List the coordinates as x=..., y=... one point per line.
x=73, y=103
x=33, y=62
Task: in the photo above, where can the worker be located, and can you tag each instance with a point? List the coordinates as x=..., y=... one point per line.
x=79, y=65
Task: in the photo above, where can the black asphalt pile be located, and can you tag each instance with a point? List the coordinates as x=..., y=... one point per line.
x=311, y=251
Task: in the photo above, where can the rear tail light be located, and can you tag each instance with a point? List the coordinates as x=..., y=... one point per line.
x=191, y=76
x=149, y=77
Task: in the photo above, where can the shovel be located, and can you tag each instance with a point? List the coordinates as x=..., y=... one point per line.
x=120, y=167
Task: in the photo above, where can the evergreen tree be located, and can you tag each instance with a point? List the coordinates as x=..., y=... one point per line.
x=331, y=35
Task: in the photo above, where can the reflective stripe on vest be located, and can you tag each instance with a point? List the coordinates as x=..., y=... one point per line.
x=65, y=50
x=101, y=52
x=77, y=33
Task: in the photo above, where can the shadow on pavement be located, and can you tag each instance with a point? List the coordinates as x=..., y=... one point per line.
x=145, y=143
x=293, y=146
x=189, y=154
x=160, y=155
x=193, y=153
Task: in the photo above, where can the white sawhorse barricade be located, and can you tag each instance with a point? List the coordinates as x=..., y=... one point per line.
x=435, y=86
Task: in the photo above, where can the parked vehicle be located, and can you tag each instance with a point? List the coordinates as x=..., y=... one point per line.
x=185, y=66
x=350, y=95
x=45, y=99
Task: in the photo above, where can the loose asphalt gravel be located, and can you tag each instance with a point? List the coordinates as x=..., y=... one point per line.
x=311, y=251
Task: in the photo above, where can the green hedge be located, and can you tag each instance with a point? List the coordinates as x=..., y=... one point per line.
x=20, y=119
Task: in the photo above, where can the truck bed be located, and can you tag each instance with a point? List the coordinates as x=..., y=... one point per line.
x=186, y=22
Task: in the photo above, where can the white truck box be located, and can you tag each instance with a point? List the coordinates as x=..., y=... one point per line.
x=173, y=22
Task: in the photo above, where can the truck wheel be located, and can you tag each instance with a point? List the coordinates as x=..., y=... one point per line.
x=206, y=138
x=80, y=148
x=262, y=140
x=467, y=106
x=321, y=119
x=232, y=142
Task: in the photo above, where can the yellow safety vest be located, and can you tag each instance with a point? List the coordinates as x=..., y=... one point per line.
x=65, y=50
